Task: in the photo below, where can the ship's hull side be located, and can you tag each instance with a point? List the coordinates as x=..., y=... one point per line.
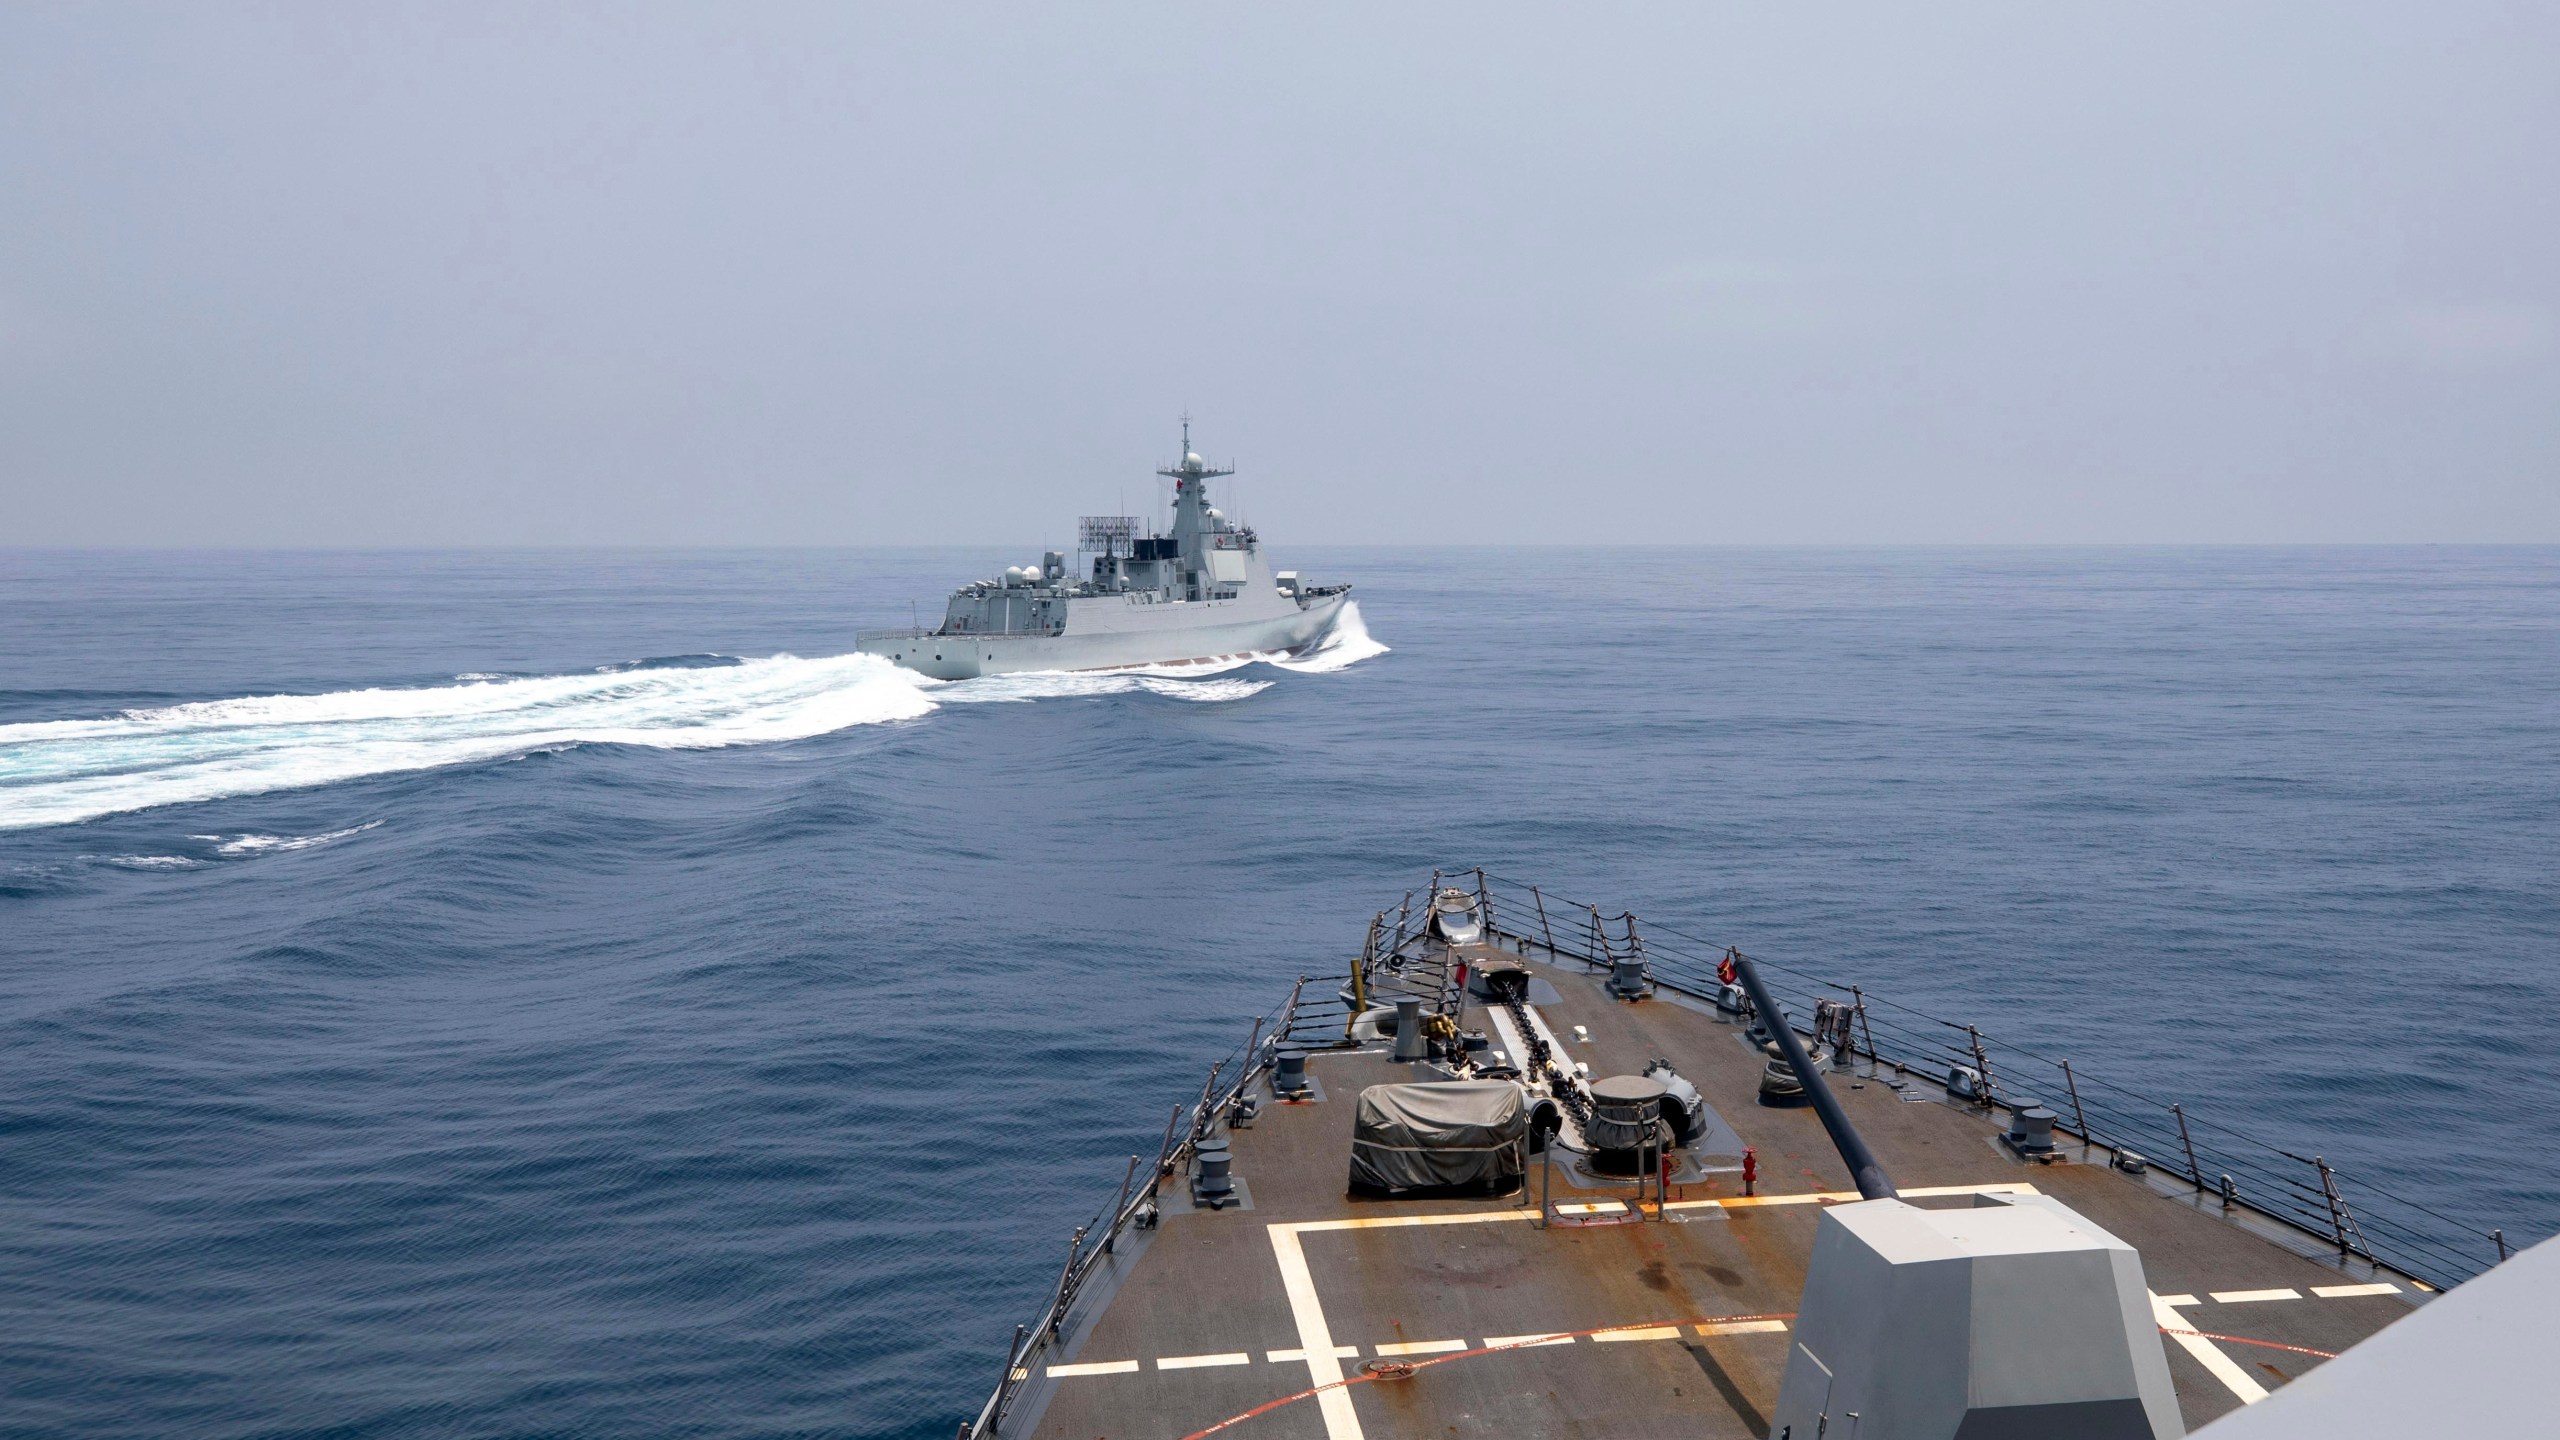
x=1122, y=636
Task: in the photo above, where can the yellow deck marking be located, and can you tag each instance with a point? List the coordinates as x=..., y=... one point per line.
x=1315, y=1336
x=1843, y=1197
x=1744, y=1327
x=1527, y=1342
x=1202, y=1362
x=2207, y=1354
x=2340, y=1292
x=1098, y=1367
x=1422, y=1347
x=1604, y=1207
x=1640, y=1332
x=2248, y=1297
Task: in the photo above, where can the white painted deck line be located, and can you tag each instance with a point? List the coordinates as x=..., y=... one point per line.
x=1422, y=1347
x=2207, y=1354
x=2177, y=1299
x=1202, y=1362
x=1744, y=1327
x=1640, y=1332
x=2251, y=1297
x=1315, y=1338
x=1282, y=1357
x=1096, y=1367
x=1528, y=1342
x=2341, y=1292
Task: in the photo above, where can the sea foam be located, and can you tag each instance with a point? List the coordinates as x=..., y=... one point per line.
x=56, y=772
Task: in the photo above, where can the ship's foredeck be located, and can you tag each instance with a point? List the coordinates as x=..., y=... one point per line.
x=1600, y=1323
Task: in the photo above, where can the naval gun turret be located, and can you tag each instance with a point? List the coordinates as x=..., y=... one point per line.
x=2013, y=1319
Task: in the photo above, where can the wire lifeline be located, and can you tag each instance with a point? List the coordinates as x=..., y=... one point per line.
x=2410, y=1237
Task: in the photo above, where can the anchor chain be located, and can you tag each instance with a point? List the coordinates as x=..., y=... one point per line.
x=1541, y=1058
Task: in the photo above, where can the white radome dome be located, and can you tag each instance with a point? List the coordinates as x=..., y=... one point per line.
x=1193, y=459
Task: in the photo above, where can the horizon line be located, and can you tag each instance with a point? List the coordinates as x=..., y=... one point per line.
x=741, y=547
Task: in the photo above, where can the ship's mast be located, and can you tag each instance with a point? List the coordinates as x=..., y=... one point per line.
x=1190, y=476
x=1187, y=472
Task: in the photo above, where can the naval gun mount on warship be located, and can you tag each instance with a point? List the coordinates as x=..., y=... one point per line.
x=2010, y=1316
x=2014, y=1316
x=1911, y=1283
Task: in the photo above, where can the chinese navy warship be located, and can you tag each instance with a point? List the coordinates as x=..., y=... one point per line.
x=1526, y=1170
x=1203, y=593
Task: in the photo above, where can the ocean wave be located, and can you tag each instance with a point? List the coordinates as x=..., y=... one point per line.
x=262, y=844
x=57, y=772
x=700, y=661
x=1345, y=645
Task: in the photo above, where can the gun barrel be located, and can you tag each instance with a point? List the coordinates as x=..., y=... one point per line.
x=1872, y=1182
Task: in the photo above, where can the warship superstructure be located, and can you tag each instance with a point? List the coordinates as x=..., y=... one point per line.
x=1526, y=1171
x=1201, y=593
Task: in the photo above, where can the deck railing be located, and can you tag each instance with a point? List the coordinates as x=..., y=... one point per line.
x=1313, y=1017
x=2304, y=1195
x=2361, y=1221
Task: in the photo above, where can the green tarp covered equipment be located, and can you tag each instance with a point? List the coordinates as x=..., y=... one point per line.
x=1464, y=1133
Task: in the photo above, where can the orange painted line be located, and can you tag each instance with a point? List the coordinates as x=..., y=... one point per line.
x=2245, y=1340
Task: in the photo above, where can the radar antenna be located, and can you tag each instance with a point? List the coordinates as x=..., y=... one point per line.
x=1190, y=468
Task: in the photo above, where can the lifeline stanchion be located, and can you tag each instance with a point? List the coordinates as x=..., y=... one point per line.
x=2193, y=1173
x=1013, y=1354
x=2082, y=1120
x=1112, y=1235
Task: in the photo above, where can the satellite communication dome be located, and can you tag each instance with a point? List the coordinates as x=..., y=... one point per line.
x=1193, y=459
x=1217, y=514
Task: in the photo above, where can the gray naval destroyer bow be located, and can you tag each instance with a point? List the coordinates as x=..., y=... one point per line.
x=1203, y=593
x=1528, y=1172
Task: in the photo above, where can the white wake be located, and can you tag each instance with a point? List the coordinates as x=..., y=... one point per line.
x=56, y=772
x=1345, y=645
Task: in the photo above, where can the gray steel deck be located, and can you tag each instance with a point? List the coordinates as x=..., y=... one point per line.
x=1213, y=1314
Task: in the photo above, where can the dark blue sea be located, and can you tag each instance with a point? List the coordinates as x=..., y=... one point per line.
x=511, y=994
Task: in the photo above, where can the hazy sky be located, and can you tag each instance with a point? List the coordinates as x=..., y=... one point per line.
x=841, y=273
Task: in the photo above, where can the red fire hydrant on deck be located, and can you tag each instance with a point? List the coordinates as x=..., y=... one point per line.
x=1750, y=1168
